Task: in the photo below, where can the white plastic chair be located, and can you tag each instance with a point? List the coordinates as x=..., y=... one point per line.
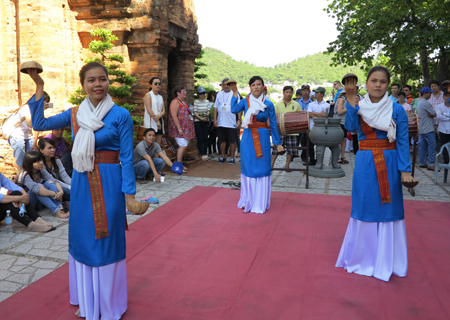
x=445, y=166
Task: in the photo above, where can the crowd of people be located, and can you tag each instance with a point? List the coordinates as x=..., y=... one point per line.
x=103, y=165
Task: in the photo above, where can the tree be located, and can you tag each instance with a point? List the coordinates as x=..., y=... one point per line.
x=120, y=81
x=413, y=34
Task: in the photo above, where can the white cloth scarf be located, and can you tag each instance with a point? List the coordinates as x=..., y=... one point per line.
x=379, y=115
x=89, y=119
x=256, y=106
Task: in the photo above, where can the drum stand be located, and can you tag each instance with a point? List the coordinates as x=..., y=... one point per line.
x=411, y=190
x=307, y=158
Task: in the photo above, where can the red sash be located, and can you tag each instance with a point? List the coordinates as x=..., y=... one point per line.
x=95, y=183
x=377, y=146
x=255, y=134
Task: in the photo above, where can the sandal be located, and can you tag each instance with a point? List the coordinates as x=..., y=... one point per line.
x=343, y=161
x=141, y=181
x=185, y=170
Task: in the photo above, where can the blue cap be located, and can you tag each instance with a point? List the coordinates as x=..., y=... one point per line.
x=426, y=90
x=177, y=167
x=201, y=90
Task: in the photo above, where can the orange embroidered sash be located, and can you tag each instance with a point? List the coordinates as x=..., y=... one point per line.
x=95, y=183
x=377, y=146
x=255, y=134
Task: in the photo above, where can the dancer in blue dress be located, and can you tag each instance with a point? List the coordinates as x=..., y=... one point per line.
x=101, y=190
x=375, y=241
x=255, y=146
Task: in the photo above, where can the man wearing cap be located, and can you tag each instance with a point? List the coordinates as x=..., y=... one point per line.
x=289, y=140
x=226, y=122
x=426, y=113
x=304, y=102
x=201, y=115
x=298, y=95
x=316, y=108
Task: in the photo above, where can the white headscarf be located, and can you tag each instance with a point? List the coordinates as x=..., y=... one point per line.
x=256, y=106
x=379, y=115
x=89, y=119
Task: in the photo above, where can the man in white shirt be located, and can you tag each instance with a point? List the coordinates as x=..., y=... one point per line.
x=316, y=109
x=21, y=137
x=225, y=121
x=443, y=116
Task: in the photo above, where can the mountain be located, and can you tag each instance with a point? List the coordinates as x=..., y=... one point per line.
x=310, y=69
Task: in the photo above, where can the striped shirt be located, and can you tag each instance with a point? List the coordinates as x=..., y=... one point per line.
x=201, y=107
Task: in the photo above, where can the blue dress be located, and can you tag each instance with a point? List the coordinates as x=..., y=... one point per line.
x=366, y=197
x=117, y=180
x=251, y=166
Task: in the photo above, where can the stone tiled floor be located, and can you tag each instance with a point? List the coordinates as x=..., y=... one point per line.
x=26, y=257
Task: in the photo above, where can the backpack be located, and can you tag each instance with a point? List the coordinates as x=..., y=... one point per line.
x=7, y=125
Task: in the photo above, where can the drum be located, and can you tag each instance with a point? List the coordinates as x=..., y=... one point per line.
x=413, y=124
x=293, y=122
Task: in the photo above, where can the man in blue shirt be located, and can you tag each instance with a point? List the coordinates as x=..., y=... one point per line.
x=305, y=100
x=395, y=88
x=337, y=86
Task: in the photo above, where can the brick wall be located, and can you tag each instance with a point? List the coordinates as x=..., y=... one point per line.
x=56, y=34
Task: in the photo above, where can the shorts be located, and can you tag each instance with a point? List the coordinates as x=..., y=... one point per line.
x=182, y=142
x=226, y=134
x=288, y=141
x=345, y=130
x=20, y=147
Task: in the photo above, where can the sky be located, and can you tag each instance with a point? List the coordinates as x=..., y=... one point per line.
x=265, y=32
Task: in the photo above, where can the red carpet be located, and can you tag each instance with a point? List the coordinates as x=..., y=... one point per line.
x=200, y=257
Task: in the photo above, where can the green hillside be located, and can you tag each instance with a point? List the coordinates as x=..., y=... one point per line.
x=310, y=69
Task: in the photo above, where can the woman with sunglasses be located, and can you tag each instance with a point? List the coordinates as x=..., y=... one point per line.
x=154, y=109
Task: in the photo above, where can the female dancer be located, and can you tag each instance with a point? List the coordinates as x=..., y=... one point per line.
x=154, y=109
x=181, y=122
x=256, y=153
x=40, y=185
x=54, y=166
x=101, y=190
x=375, y=241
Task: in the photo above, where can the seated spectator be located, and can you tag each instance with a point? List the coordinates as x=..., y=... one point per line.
x=145, y=162
x=61, y=151
x=54, y=166
x=401, y=100
x=12, y=202
x=40, y=185
x=21, y=137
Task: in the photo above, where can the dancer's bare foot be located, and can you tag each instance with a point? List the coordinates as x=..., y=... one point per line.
x=78, y=314
x=61, y=214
